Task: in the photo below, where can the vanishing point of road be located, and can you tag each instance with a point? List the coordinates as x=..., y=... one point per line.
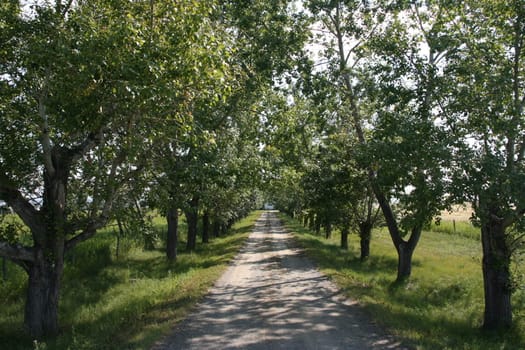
x=273, y=297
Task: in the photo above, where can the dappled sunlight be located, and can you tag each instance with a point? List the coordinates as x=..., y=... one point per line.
x=272, y=297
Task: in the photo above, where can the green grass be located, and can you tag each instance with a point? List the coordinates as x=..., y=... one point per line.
x=441, y=307
x=457, y=227
x=127, y=303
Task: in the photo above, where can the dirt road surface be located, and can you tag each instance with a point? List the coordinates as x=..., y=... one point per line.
x=273, y=297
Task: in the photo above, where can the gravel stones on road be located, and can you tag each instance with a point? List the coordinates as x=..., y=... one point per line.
x=273, y=297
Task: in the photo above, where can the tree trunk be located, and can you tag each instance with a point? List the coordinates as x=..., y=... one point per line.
x=405, y=251
x=172, y=219
x=365, y=249
x=318, y=225
x=496, y=276
x=365, y=234
x=41, y=308
x=344, y=236
x=404, y=262
x=216, y=228
x=119, y=236
x=192, y=217
x=205, y=227
x=328, y=230
x=311, y=221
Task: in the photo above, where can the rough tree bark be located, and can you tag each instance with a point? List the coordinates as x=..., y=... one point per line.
x=497, y=282
x=41, y=308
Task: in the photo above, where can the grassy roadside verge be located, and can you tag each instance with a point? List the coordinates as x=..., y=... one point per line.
x=127, y=303
x=442, y=305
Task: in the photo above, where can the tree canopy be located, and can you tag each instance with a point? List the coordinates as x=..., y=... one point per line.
x=331, y=110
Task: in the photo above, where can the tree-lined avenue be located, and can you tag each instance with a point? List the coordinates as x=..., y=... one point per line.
x=273, y=297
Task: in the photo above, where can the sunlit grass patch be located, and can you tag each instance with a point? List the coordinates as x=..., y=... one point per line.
x=440, y=307
x=125, y=303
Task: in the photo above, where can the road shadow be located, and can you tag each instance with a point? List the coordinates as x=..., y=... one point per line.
x=275, y=298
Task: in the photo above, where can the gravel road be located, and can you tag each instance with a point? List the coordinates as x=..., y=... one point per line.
x=273, y=297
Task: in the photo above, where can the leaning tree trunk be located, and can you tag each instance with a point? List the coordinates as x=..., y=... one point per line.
x=405, y=249
x=497, y=281
x=172, y=219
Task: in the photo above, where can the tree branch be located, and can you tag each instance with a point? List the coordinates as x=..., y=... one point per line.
x=511, y=219
x=99, y=221
x=27, y=212
x=16, y=252
x=521, y=152
x=88, y=232
x=66, y=8
x=44, y=138
x=92, y=140
x=420, y=23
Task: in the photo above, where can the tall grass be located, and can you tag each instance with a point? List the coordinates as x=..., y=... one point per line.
x=456, y=227
x=441, y=307
x=121, y=304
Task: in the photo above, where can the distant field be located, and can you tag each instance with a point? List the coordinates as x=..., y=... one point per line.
x=458, y=213
x=457, y=222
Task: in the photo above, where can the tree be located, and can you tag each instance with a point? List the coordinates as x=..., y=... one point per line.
x=246, y=56
x=389, y=86
x=80, y=83
x=488, y=99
